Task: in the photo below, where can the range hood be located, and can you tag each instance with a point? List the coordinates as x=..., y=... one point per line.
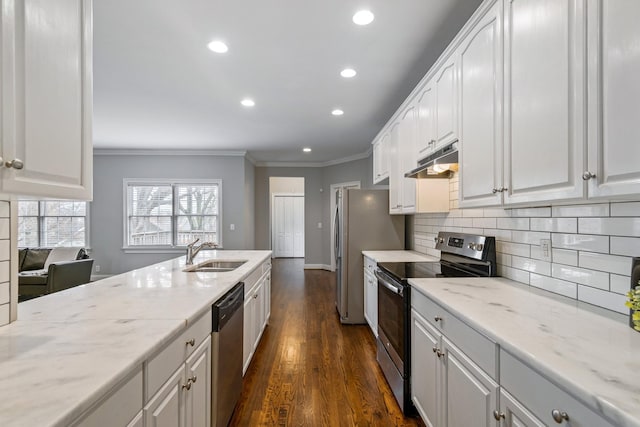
x=437, y=165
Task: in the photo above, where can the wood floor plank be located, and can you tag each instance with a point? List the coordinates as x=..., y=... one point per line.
x=309, y=370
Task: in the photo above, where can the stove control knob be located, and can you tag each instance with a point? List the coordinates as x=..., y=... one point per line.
x=472, y=245
x=479, y=247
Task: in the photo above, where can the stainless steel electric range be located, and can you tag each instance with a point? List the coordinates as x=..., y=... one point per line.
x=462, y=255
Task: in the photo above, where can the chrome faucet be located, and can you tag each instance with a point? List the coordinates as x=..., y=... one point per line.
x=192, y=249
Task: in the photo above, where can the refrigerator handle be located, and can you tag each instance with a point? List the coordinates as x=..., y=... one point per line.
x=336, y=235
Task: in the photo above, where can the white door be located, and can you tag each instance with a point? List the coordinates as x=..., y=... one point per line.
x=544, y=100
x=614, y=98
x=480, y=61
x=288, y=217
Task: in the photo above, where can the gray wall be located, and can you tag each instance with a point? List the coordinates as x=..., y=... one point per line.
x=107, y=210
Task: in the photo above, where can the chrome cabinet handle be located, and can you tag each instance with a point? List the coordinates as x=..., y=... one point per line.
x=191, y=342
x=255, y=296
x=559, y=416
x=15, y=163
x=440, y=353
x=193, y=379
x=588, y=175
x=435, y=349
x=495, y=190
x=437, y=318
x=187, y=386
x=498, y=415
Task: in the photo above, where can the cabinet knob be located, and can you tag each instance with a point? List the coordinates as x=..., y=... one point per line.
x=435, y=349
x=187, y=386
x=15, y=163
x=437, y=318
x=193, y=379
x=498, y=415
x=440, y=353
x=191, y=342
x=495, y=190
x=503, y=189
x=588, y=175
x=559, y=416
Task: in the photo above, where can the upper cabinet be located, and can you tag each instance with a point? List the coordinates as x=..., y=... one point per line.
x=446, y=103
x=395, y=177
x=480, y=70
x=381, y=159
x=46, y=92
x=544, y=116
x=408, y=158
x=426, y=141
x=614, y=98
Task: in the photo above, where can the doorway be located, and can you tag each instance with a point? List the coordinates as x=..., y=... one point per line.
x=334, y=190
x=287, y=217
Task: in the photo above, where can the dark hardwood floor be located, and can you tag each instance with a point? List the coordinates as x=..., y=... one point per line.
x=309, y=370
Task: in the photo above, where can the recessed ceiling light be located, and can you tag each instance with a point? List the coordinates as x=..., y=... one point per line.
x=363, y=17
x=348, y=73
x=337, y=112
x=217, y=46
x=306, y=150
x=248, y=102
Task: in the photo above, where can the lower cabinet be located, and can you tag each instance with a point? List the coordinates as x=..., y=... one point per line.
x=185, y=398
x=371, y=294
x=138, y=420
x=257, y=309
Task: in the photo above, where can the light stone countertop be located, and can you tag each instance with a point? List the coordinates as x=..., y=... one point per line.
x=398, y=256
x=594, y=357
x=69, y=348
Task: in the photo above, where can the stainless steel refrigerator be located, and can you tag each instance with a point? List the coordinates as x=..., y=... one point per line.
x=361, y=222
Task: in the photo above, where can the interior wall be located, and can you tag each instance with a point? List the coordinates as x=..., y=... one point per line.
x=249, y=203
x=286, y=185
x=107, y=209
x=592, y=245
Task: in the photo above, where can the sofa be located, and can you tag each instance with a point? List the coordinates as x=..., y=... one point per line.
x=44, y=271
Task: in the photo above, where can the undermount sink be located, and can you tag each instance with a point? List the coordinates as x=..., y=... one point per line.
x=215, y=266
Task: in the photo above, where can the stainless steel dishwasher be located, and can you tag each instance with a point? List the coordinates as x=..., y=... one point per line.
x=226, y=357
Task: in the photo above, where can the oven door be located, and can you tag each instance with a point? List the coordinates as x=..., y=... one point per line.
x=392, y=328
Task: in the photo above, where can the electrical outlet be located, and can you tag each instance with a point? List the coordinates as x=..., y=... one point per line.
x=232, y=227
x=319, y=225
x=545, y=245
x=97, y=269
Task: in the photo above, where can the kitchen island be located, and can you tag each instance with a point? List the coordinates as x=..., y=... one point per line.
x=69, y=350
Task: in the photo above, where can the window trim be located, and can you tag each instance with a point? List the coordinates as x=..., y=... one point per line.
x=87, y=220
x=165, y=249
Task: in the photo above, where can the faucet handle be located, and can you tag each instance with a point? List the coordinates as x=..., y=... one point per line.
x=193, y=243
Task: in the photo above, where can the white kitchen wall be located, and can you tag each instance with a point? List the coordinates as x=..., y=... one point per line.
x=592, y=245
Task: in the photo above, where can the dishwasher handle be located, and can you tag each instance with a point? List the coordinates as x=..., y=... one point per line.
x=226, y=306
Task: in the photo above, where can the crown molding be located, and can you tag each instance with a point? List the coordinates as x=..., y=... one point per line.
x=151, y=152
x=355, y=157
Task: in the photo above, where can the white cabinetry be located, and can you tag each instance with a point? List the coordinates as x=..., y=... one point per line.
x=381, y=159
x=407, y=158
x=426, y=111
x=545, y=100
x=446, y=103
x=371, y=295
x=257, y=308
x=46, y=94
x=480, y=68
x=614, y=98
x=396, y=176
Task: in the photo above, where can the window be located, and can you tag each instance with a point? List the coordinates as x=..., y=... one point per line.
x=52, y=223
x=168, y=214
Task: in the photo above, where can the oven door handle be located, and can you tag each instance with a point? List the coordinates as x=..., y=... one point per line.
x=387, y=284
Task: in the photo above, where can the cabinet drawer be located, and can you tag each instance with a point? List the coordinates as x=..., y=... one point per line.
x=476, y=346
x=120, y=407
x=540, y=396
x=266, y=266
x=369, y=265
x=251, y=280
x=163, y=364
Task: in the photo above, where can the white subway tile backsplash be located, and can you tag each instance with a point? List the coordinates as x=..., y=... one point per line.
x=4, y=271
x=604, y=299
x=556, y=225
x=625, y=209
x=5, y=231
x=513, y=248
x=473, y=213
x=595, y=279
x=564, y=256
x=496, y=213
x=5, y=209
x=536, y=252
x=610, y=226
x=4, y=314
x=629, y=246
x=531, y=265
x=514, y=274
x=503, y=259
x=556, y=286
x=484, y=222
x=503, y=235
x=620, y=284
x=513, y=223
x=531, y=212
x=610, y=263
x=530, y=237
x=463, y=222
x=580, y=242
x=5, y=250
x=5, y=290
x=601, y=209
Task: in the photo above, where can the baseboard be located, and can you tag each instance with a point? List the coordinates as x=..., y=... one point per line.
x=96, y=277
x=317, y=267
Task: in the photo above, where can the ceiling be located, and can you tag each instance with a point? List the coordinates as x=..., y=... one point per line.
x=157, y=86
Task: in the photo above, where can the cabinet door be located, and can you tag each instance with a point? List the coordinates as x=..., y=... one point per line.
x=377, y=154
x=425, y=382
x=371, y=301
x=267, y=298
x=408, y=159
x=198, y=397
x=446, y=103
x=137, y=421
x=544, y=100
x=395, y=179
x=247, y=332
x=471, y=395
x=515, y=414
x=425, y=142
x=47, y=92
x=165, y=409
x=480, y=62
x=259, y=319
x=614, y=94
